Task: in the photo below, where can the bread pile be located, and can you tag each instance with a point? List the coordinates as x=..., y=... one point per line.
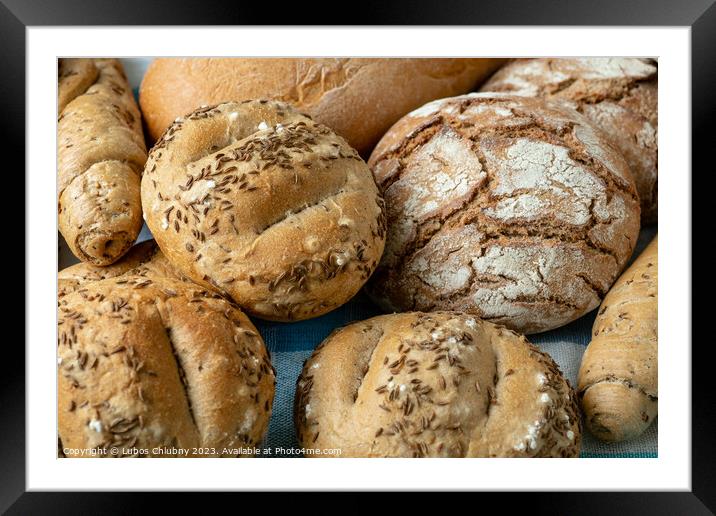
x=475, y=217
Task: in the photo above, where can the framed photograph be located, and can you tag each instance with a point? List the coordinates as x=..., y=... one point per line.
x=364, y=245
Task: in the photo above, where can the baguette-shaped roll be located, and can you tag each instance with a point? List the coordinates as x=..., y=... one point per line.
x=100, y=153
x=618, y=376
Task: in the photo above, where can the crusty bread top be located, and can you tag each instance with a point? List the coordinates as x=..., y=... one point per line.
x=513, y=208
x=146, y=359
x=257, y=201
x=359, y=98
x=74, y=277
x=434, y=385
x=618, y=94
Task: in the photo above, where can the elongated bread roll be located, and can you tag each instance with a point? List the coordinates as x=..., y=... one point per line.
x=618, y=377
x=100, y=155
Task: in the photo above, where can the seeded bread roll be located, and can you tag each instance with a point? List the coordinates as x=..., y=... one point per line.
x=358, y=98
x=618, y=379
x=434, y=385
x=147, y=361
x=620, y=95
x=74, y=277
x=514, y=209
x=100, y=154
x=260, y=203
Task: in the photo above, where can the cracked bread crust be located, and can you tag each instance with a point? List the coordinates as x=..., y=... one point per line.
x=435, y=384
x=331, y=90
x=514, y=209
x=100, y=155
x=618, y=94
x=147, y=360
x=258, y=202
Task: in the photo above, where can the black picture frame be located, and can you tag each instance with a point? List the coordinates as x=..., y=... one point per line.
x=699, y=15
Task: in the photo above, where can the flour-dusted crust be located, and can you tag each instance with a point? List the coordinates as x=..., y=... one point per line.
x=512, y=208
x=100, y=155
x=618, y=94
x=258, y=202
x=150, y=361
x=359, y=98
x=434, y=385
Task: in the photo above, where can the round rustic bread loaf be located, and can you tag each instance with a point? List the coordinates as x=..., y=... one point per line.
x=258, y=202
x=356, y=97
x=434, y=385
x=511, y=208
x=620, y=95
x=149, y=363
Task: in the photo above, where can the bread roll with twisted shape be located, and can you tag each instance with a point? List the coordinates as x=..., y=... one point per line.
x=147, y=360
x=258, y=202
x=434, y=385
x=620, y=95
x=511, y=208
x=618, y=378
x=100, y=155
x=359, y=98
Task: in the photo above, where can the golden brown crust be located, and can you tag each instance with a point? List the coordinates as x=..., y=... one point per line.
x=442, y=384
x=617, y=94
x=618, y=378
x=74, y=277
x=331, y=90
x=101, y=153
x=257, y=201
x=149, y=361
x=512, y=208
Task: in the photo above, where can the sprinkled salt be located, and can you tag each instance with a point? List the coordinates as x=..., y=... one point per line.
x=263, y=126
x=545, y=398
x=95, y=425
x=570, y=435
